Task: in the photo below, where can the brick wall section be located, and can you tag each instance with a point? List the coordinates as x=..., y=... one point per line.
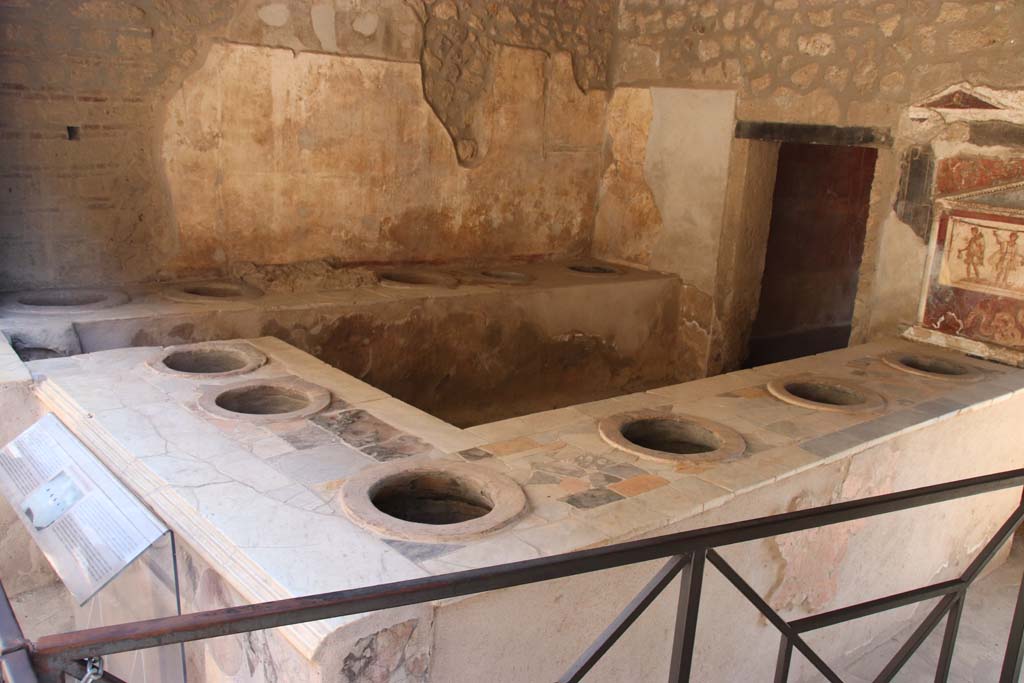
x=91, y=209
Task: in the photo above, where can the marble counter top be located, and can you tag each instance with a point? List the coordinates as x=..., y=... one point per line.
x=260, y=500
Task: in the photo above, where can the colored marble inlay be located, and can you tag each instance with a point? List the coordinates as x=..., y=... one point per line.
x=592, y=498
x=637, y=485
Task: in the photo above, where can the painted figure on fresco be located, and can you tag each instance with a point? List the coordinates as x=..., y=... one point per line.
x=973, y=253
x=1006, y=258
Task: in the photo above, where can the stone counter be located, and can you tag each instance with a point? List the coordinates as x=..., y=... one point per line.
x=257, y=516
x=464, y=345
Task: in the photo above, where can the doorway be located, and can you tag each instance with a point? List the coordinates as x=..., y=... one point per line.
x=815, y=243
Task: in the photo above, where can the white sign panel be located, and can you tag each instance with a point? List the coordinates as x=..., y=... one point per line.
x=87, y=523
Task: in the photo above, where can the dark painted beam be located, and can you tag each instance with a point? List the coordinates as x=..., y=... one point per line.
x=851, y=136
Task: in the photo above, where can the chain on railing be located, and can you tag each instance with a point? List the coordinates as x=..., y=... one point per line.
x=687, y=553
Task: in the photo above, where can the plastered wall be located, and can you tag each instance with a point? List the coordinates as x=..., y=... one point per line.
x=151, y=140
x=276, y=158
x=148, y=140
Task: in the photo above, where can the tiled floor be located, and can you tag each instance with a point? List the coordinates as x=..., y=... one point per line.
x=984, y=627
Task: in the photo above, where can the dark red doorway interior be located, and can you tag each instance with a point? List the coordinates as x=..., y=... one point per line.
x=815, y=244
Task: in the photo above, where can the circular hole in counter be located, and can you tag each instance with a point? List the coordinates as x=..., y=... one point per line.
x=826, y=393
x=265, y=400
x=215, y=291
x=57, y=301
x=433, y=501
x=209, y=360
x=415, y=278
x=430, y=498
x=671, y=437
x=204, y=361
x=210, y=291
x=510, y=276
x=593, y=269
x=933, y=367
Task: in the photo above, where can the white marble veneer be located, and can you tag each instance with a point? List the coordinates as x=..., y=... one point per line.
x=258, y=501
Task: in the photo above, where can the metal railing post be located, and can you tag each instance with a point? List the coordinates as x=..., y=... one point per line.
x=949, y=638
x=784, y=660
x=631, y=613
x=691, y=582
x=15, y=666
x=1015, y=642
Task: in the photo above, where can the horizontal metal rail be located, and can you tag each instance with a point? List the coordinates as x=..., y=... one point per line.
x=59, y=652
x=870, y=607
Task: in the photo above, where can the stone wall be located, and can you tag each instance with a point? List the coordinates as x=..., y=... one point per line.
x=818, y=62
x=92, y=95
x=460, y=46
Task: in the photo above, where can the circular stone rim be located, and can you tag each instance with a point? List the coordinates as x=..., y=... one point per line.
x=873, y=401
x=520, y=278
x=111, y=297
x=435, y=278
x=356, y=499
x=612, y=270
x=177, y=292
x=318, y=397
x=894, y=359
x=254, y=359
x=733, y=444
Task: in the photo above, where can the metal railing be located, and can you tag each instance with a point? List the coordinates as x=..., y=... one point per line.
x=47, y=659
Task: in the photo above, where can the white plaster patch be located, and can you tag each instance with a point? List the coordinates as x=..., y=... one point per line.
x=322, y=18
x=687, y=168
x=366, y=24
x=901, y=266
x=274, y=14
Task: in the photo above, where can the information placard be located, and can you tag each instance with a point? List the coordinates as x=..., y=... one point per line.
x=86, y=522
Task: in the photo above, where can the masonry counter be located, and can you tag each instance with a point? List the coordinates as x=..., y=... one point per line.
x=282, y=476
